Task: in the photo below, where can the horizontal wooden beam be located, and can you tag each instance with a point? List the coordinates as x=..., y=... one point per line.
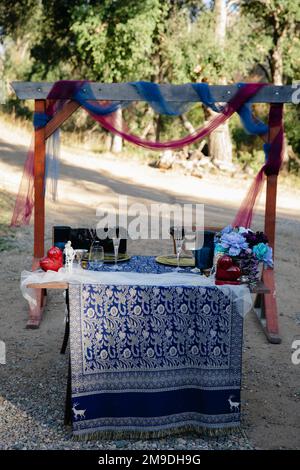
x=258, y=288
x=181, y=93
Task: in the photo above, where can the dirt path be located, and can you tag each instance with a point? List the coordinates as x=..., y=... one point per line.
x=271, y=383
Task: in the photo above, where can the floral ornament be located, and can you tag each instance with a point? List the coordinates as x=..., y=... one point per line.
x=233, y=243
x=227, y=229
x=264, y=253
x=255, y=238
x=247, y=247
x=219, y=248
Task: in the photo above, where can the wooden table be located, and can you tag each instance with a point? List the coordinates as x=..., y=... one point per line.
x=259, y=288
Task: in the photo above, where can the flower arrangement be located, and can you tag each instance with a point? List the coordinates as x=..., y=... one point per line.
x=246, y=247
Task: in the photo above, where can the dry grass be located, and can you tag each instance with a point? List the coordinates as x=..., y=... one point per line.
x=6, y=233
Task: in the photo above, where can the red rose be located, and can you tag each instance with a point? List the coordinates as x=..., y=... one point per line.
x=50, y=264
x=55, y=253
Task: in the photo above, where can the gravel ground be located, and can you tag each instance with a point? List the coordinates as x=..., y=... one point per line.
x=33, y=382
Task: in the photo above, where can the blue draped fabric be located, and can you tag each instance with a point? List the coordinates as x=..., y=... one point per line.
x=97, y=109
x=52, y=154
x=204, y=93
x=266, y=148
x=151, y=360
x=251, y=125
x=40, y=120
x=150, y=92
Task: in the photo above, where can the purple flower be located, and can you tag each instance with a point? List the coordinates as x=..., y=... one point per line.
x=264, y=253
x=234, y=242
x=227, y=229
x=255, y=238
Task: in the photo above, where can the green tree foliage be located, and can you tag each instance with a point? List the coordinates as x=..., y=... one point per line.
x=116, y=39
x=157, y=40
x=275, y=29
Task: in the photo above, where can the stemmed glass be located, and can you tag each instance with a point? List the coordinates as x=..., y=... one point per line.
x=96, y=256
x=178, y=237
x=116, y=243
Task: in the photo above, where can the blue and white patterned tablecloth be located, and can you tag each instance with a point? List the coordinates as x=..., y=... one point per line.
x=141, y=264
x=154, y=359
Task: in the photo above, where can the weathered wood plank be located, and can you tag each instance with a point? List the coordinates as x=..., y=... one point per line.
x=48, y=285
x=60, y=117
x=126, y=92
x=259, y=288
x=270, y=209
x=39, y=179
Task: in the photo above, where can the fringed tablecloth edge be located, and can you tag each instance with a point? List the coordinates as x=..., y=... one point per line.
x=155, y=434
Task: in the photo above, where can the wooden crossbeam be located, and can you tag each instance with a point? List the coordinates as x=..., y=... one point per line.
x=181, y=93
x=60, y=117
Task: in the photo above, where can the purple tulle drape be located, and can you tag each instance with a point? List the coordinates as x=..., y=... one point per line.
x=271, y=166
x=25, y=198
x=68, y=90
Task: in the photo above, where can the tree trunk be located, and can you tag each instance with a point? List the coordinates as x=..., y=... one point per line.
x=158, y=127
x=220, y=147
x=276, y=61
x=187, y=124
x=220, y=12
x=219, y=141
x=117, y=142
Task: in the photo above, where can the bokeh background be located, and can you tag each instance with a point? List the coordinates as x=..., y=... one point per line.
x=166, y=41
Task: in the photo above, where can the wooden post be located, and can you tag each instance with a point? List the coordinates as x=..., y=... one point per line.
x=270, y=209
x=39, y=181
x=35, y=313
x=266, y=304
x=40, y=137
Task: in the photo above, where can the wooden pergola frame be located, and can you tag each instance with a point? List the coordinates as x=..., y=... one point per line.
x=265, y=305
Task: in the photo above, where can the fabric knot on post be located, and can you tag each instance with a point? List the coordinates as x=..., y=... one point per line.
x=266, y=148
x=40, y=120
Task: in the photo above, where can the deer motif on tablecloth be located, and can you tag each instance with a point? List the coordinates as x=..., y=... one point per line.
x=78, y=413
x=234, y=405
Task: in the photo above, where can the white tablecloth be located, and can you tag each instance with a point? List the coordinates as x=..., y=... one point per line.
x=242, y=294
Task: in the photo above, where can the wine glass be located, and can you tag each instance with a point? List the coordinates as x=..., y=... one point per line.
x=96, y=256
x=178, y=237
x=79, y=254
x=116, y=243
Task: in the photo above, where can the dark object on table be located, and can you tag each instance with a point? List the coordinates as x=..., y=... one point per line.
x=60, y=236
x=204, y=256
x=82, y=238
x=227, y=271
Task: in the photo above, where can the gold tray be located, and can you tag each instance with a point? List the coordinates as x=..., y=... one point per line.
x=107, y=259
x=171, y=260
x=121, y=257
